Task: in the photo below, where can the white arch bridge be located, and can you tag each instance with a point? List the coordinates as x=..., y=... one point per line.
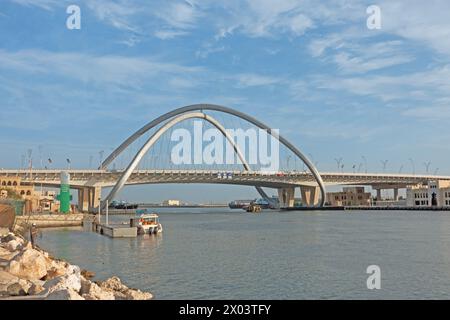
x=312, y=184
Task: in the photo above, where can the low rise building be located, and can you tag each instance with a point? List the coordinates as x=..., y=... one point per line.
x=435, y=193
x=171, y=202
x=349, y=196
x=11, y=187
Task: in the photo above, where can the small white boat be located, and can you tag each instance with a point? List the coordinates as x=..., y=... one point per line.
x=149, y=224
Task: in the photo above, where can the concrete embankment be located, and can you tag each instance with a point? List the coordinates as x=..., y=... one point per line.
x=28, y=272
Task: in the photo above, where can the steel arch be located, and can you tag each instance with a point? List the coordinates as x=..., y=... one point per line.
x=219, y=108
x=154, y=138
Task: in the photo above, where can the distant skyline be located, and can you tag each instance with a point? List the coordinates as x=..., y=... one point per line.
x=334, y=88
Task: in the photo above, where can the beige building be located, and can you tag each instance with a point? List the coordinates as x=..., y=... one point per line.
x=171, y=203
x=350, y=196
x=34, y=200
x=435, y=193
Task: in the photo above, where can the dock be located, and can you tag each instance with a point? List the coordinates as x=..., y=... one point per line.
x=116, y=230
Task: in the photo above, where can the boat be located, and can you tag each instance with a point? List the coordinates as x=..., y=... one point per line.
x=239, y=204
x=123, y=205
x=148, y=223
x=253, y=208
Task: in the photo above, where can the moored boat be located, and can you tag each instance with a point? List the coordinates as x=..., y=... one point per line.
x=148, y=223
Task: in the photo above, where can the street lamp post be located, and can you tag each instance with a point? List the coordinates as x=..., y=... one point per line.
x=384, y=163
x=413, y=165
x=338, y=162
x=427, y=165
x=365, y=163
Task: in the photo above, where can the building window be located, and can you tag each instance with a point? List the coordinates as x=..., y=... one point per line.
x=28, y=193
x=15, y=183
x=9, y=183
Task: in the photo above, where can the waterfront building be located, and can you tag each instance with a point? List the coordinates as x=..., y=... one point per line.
x=12, y=187
x=171, y=202
x=349, y=196
x=434, y=193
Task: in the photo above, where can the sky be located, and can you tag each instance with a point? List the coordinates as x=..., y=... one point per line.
x=334, y=87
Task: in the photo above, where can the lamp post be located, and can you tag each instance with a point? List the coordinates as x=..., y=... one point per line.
x=365, y=163
x=100, y=154
x=288, y=158
x=338, y=162
x=359, y=167
x=427, y=165
x=384, y=163
x=68, y=163
x=413, y=166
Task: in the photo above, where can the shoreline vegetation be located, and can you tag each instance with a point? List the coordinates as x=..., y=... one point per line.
x=29, y=273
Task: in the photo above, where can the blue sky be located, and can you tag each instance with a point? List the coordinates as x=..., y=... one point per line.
x=332, y=86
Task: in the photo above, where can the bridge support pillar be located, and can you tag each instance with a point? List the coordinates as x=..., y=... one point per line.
x=396, y=194
x=95, y=194
x=310, y=195
x=379, y=195
x=286, y=197
x=83, y=199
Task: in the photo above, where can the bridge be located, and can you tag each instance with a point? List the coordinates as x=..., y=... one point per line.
x=311, y=183
x=90, y=182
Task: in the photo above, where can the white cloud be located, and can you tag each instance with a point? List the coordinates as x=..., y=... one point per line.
x=113, y=69
x=169, y=34
x=253, y=80
x=426, y=22
x=43, y=4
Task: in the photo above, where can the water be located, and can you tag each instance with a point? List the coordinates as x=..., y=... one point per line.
x=224, y=254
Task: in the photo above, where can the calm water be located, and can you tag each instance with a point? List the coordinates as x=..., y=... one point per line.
x=219, y=253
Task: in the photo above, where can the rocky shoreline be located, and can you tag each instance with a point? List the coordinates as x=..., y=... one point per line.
x=32, y=273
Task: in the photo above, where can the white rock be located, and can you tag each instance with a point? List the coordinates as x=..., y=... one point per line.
x=37, y=286
x=64, y=294
x=6, y=279
x=138, y=295
x=94, y=292
x=114, y=284
x=13, y=245
x=68, y=281
x=72, y=269
x=28, y=264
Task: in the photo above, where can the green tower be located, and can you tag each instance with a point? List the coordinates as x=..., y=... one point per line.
x=64, y=195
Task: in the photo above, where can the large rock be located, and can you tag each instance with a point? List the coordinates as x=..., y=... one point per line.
x=37, y=287
x=68, y=281
x=138, y=295
x=64, y=294
x=13, y=245
x=91, y=291
x=29, y=264
x=122, y=292
x=114, y=284
x=16, y=289
x=6, y=280
x=56, y=268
